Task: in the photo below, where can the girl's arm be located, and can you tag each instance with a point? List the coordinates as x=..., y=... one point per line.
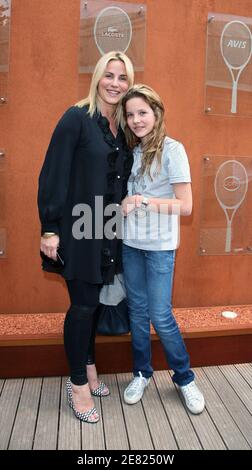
x=181, y=204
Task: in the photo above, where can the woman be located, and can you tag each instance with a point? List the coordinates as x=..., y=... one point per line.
x=86, y=169
x=159, y=191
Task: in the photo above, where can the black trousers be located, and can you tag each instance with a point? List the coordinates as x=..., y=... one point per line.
x=80, y=328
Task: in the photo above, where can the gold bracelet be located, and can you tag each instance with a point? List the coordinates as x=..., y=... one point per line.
x=48, y=234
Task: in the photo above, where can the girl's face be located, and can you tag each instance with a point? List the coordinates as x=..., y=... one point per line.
x=140, y=117
x=113, y=84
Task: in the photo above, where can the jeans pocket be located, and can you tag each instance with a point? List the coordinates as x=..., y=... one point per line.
x=161, y=261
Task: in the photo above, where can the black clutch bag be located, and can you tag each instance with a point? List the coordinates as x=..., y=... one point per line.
x=57, y=264
x=113, y=319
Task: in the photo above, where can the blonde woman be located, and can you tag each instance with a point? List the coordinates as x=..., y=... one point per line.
x=86, y=158
x=159, y=190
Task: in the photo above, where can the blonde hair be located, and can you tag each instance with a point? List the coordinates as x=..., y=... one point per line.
x=153, y=147
x=91, y=100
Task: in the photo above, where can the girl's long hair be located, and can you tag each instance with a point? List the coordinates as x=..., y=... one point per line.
x=153, y=147
x=91, y=100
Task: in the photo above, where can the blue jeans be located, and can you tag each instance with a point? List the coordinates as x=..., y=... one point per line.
x=148, y=279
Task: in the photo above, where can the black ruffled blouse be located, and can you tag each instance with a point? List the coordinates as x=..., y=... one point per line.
x=84, y=160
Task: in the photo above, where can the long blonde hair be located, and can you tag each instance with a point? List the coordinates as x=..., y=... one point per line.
x=153, y=147
x=91, y=100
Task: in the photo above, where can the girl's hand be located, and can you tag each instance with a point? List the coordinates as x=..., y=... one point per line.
x=130, y=203
x=49, y=246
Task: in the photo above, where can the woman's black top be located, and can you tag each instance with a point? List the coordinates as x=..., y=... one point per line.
x=83, y=161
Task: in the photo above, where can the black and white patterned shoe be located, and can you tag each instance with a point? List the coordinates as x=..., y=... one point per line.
x=69, y=393
x=101, y=390
x=85, y=416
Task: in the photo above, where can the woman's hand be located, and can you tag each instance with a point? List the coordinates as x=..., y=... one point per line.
x=49, y=246
x=130, y=203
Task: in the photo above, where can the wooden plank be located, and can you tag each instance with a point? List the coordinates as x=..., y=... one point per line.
x=183, y=430
x=25, y=422
x=160, y=423
x=231, y=435
x=241, y=387
x=69, y=434
x=9, y=400
x=135, y=420
x=92, y=434
x=159, y=426
x=1, y=385
x=246, y=372
x=234, y=405
x=47, y=425
x=207, y=433
x=114, y=426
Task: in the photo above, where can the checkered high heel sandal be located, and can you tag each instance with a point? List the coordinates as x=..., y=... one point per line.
x=101, y=390
x=85, y=416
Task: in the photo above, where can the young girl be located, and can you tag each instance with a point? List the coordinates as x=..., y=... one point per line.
x=159, y=190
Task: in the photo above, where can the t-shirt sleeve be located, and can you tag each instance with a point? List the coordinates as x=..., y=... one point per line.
x=55, y=173
x=178, y=164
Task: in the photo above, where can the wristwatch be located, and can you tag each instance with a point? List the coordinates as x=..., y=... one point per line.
x=142, y=211
x=145, y=202
x=48, y=234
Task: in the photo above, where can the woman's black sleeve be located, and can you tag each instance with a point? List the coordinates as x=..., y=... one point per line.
x=55, y=173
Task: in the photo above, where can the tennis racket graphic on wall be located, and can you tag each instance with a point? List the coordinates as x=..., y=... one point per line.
x=230, y=185
x=112, y=30
x=236, y=50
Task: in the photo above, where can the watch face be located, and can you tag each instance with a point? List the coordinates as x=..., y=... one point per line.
x=140, y=212
x=145, y=201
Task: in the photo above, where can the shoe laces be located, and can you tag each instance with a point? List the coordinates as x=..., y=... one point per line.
x=137, y=382
x=191, y=392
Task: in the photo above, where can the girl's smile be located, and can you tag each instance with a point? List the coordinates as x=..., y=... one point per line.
x=140, y=117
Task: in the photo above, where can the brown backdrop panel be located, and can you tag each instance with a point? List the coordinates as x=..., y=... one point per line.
x=43, y=82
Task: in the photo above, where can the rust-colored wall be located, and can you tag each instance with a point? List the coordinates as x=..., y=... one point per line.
x=43, y=82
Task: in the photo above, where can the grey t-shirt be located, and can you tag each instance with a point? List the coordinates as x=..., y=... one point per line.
x=156, y=231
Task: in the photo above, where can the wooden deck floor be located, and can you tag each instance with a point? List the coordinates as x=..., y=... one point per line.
x=34, y=414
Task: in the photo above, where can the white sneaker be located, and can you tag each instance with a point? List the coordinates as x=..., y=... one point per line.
x=135, y=390
x=194, y=400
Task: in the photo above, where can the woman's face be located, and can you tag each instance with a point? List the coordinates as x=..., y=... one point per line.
x=140, y=117
x=113, y=84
